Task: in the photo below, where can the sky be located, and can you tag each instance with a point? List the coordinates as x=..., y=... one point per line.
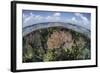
x=31, y=17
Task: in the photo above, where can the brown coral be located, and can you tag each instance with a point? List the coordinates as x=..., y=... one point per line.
x=58, y=39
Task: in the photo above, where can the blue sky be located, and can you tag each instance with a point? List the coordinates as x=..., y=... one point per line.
x=31, y=17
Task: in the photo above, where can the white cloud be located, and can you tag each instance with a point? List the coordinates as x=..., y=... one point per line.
x=48, y=18
x=74, y=19
x=26, y=18
x=83, y=18
x=55, y=17
x=56, y=14
x=32, y=19
x=78, y=14
x=38, y=17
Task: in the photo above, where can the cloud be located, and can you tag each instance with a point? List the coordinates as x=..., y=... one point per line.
x=48, y=18
x=81, y=20
x=77, y=18
x=84, y=19
x=27, y=18
x=74, y=19
x=57, y=14
x=38, y=17
x=24, y=16
x=31, y=18
x=54, y=17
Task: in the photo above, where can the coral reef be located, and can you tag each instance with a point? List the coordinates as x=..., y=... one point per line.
x=55, y=44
